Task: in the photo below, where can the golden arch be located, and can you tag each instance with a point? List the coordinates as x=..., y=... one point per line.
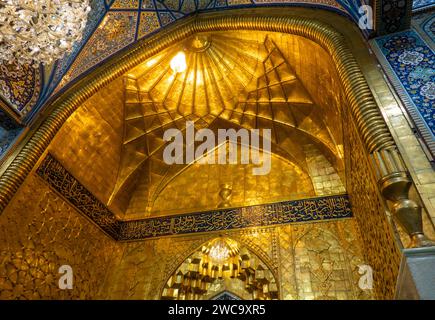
x=364, y=110
x=253, y=250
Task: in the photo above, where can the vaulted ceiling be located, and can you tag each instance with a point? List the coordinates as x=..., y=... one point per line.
x=251, y=80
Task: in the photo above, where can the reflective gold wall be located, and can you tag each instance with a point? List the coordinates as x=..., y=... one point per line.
x=89, y=142
x=198, y=188
x=382, y=248
x=311, y=261
x=40, y=232
x=241, y=80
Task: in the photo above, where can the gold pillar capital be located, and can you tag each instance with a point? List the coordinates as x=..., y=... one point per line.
x=394, y=182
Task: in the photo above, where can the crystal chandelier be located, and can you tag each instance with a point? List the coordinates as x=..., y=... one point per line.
x=40, y=31
x=221, y=249
x=219, y=252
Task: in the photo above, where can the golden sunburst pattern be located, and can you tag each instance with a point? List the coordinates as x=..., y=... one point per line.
x=230, y=81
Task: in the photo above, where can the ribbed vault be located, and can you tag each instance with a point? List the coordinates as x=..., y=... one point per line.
x=231, y=81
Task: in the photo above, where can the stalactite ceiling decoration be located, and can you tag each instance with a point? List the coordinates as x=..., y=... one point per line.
x=230, y=82
x=237, y=79
x=242, y=273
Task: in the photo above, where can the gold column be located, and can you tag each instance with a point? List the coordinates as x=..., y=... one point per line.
x=395, y=182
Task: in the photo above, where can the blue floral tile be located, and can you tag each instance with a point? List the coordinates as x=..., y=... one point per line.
x=422, y=4
x=9, y=130
x=411, y=62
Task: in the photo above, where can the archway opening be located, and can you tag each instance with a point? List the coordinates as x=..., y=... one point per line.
x=222, y=265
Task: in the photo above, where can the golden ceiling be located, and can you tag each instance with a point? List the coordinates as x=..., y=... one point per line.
x=252, y=80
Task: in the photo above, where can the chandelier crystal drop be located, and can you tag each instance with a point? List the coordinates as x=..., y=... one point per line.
x=219, y=252
x=40, y=31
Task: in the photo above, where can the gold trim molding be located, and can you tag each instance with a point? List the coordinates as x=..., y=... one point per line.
x=365, y=112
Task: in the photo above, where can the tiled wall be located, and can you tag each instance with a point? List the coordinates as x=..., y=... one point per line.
x=9, y=131
x=408, y=59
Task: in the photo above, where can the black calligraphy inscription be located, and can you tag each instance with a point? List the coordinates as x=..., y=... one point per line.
x=305, y=210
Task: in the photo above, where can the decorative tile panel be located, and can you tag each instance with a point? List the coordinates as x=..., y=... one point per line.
x=149, y=22
x=9, y=130
x=125, y=4
x=410, y=64
x=116, y=31
x=20, y=86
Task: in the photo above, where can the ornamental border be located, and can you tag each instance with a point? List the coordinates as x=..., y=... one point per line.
x=56, y=176
x=412, y=109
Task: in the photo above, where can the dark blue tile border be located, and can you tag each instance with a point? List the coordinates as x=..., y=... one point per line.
x=295, y=211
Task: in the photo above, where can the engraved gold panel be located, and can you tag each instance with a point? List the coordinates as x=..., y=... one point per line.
x=92, y=136
x=40, y=232
x=381, y=248
x=181, y=194
x=309, y=261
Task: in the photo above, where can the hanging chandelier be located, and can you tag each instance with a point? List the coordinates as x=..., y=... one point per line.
x=219, y=252
x=40, y=31
x=221, y=249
